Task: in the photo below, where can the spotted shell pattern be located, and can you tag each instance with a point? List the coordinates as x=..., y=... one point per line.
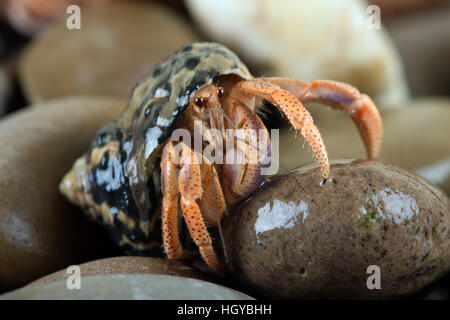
x=117, y=182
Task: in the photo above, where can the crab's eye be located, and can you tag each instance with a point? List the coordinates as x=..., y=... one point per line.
x=199, y=102
x=220, y=93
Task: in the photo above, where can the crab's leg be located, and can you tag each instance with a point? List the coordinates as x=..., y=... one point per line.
x=340, y=96
x=212, y=202
x=169, y=210
x=190, y=187
x=296, y=113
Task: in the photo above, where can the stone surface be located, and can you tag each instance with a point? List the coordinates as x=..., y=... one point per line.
x=297, y=238
x=136, y=287
x=40, y=232
x=416, y=138
x=128, y=265
x=115, y=46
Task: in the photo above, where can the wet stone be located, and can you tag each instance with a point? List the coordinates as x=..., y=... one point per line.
x=40, y=231
x=298, y=238
x=129, y=265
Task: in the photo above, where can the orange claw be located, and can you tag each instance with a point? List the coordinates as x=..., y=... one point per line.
x=341, y=96
x=296, y=113
x=363, y=111
x=368, y=122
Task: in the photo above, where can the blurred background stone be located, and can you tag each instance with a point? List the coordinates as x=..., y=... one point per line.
x=308, y=40
x=132, y=286
x=423, y=41
x=395, y=8
x=114, y=48
x=40, y=232
x=29, y=17
x=10, y=93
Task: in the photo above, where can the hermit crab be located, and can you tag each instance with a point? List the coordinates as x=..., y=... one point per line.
x=136, y=175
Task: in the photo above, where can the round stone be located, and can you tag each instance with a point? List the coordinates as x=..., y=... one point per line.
x=40, y=232
x=371, y=231
x=129, y=265
x=116, y=45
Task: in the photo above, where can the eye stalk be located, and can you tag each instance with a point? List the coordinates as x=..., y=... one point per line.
x=199, y=102
x=210, y=94
x=220, y=93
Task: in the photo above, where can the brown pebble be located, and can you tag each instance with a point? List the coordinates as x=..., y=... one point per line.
x=116, y=45
x=298, y=238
